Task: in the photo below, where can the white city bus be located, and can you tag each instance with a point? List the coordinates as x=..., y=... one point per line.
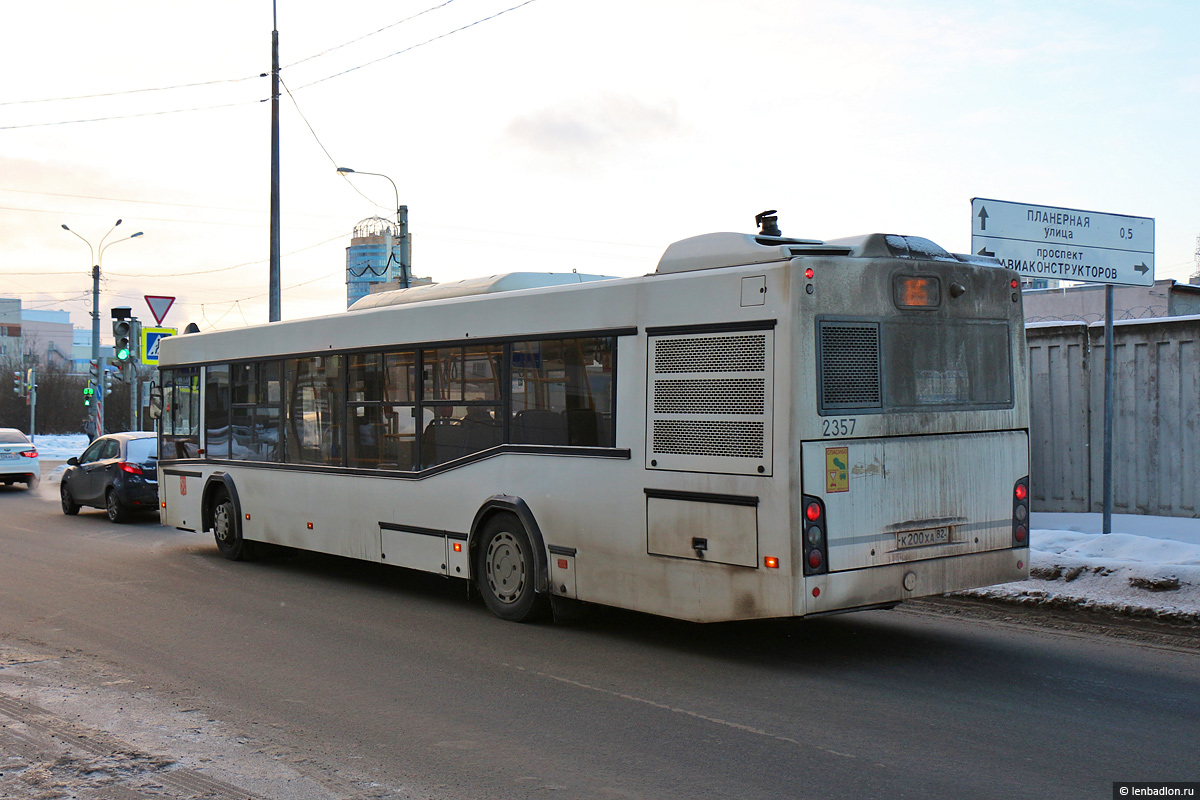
x=763, y=427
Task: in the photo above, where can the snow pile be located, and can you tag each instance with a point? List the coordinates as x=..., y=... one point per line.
x=1148, y=567
x=60, y=447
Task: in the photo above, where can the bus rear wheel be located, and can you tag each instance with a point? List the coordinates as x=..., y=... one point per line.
x=226, y=528
x=506, y=571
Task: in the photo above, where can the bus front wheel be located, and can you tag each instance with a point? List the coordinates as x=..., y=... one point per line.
x=506, y=570
x=226, y=530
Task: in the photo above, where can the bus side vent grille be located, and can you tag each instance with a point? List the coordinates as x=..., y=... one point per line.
x=721, y=439
x=711, y=354
x=850, y=376
x=714, y=396
x=709, y=402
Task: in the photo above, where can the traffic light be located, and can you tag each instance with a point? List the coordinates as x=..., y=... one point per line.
x=88, y=392
x=18, y=384
x=122, y=340
x=135, y=342
x=108, y=383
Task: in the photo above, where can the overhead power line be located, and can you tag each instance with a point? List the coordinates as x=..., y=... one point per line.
x=127, y=91
x=129, y=116
x=414, y=47
x=367, y=35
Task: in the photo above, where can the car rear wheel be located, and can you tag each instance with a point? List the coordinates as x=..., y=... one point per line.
x=112, y=504
x=69, y=506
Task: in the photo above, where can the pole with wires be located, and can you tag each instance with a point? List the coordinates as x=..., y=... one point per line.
x=275, y=313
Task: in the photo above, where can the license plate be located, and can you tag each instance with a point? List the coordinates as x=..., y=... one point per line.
x=923, y=538
x=8, y=456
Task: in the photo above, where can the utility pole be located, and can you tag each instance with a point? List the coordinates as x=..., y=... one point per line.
x=98, y=398
x=31, y=397
x=98, y=256
x=405, y=246
x=274, y=278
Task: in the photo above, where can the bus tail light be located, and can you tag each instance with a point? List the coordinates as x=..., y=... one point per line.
x=1020, y=518
x=813, y=540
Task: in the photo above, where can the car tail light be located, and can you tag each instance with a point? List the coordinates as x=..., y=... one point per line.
x=813, y=539
x=1020, y=514
x=29, y=453
x=132, y=469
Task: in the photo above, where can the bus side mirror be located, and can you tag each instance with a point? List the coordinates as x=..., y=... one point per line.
x=156, y=401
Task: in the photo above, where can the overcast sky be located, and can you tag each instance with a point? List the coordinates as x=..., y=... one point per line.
x=564, y=134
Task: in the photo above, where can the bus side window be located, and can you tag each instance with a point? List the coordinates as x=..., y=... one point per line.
x=562, y=392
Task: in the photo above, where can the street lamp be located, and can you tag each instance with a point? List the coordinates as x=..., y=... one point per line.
x=401, y=223
x=96, y=256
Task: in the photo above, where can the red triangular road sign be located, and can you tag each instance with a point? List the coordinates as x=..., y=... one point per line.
x=159, y=306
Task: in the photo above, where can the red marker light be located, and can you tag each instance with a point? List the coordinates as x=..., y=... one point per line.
x=310, y=526
x=816, y=591
x=1022, y=492
x=808, y=273
x=813, y=512
x=1021, y=534
x=458, y=547
x=771, y=562
x=814, y=559
x=562, y=563
x=1014, y=283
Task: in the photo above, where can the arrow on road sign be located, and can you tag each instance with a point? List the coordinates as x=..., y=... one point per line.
x=983, y=251
x=1142, y=268
x=983, y=215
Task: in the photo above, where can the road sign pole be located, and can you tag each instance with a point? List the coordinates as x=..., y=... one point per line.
x=1109, y=359
x=131, y=381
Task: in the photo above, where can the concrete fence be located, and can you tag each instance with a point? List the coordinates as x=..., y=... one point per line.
x=1156, y=422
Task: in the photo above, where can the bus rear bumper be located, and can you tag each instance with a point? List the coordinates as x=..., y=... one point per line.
x=892, y=583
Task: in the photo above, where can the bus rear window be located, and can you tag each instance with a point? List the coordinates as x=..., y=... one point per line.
x=898, y=365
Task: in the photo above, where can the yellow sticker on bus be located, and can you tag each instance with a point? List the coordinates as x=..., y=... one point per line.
x=837, y=469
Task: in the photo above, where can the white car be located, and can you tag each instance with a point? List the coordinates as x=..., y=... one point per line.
x=18, y=459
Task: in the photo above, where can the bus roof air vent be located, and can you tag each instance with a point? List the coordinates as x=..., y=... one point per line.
x=489, y=284
x=890, y=245
x=716, y=250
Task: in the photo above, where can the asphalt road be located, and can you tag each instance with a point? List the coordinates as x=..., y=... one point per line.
x=310, y=676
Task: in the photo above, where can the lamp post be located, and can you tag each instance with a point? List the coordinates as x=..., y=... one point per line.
x=401, y=224
x=96, y=256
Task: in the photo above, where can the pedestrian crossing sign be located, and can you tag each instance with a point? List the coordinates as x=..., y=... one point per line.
x=150, y=339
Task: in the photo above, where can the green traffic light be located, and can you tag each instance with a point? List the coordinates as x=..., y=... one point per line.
x=123, y=354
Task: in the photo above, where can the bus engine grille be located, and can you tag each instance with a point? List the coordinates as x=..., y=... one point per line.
x=850, y=376
x=721, y=439
x=709, y=402
x=711, y=354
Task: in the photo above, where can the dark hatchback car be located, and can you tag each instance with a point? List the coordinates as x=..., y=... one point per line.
x=117, y=472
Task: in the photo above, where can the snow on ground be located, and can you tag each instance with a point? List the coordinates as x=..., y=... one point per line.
x=59, y=447
x=1147, y=567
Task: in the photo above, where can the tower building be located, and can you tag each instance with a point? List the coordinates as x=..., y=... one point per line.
x=372, y=257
